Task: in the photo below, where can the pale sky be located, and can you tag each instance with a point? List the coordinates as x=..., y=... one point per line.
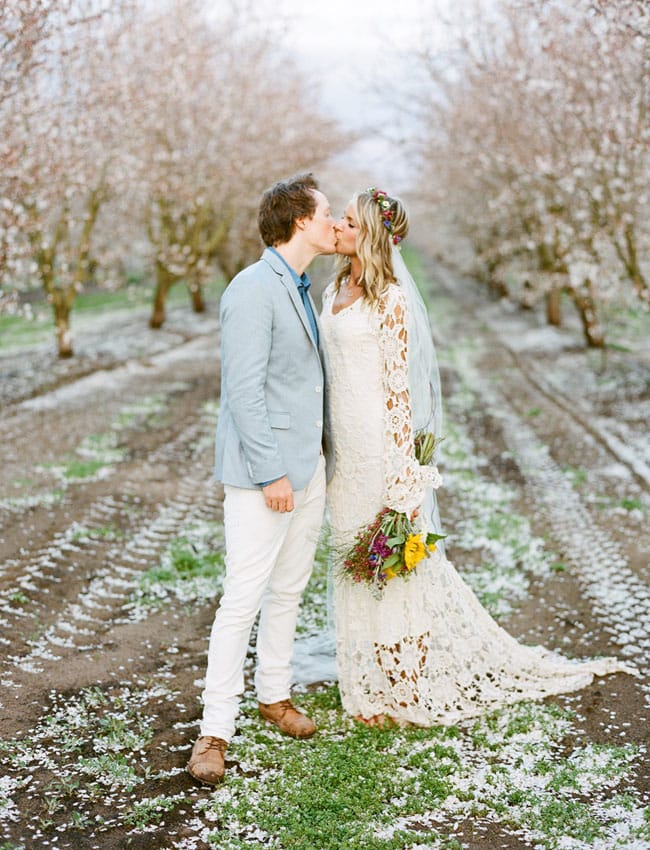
x=351, y=26
x=349, y=44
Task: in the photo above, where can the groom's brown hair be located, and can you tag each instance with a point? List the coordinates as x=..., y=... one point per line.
x=283, y=203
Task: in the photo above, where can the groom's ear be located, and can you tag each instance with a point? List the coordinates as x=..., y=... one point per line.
x=300, y=223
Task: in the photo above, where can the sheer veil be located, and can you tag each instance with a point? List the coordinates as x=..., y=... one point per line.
x=423, y=377
x=314, y=658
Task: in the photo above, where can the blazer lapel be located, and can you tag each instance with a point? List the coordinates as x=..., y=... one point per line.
x=280, y=268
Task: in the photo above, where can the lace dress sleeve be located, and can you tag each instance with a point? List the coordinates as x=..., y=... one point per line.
x=405, y=479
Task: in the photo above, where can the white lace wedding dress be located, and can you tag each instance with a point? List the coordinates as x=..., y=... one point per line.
x=427, y=652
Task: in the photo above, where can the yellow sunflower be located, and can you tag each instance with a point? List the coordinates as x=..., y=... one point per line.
x=414, y=551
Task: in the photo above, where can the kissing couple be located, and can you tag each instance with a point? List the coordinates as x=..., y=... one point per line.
x=337, y=408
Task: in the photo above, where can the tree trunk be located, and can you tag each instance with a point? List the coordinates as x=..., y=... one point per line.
x=196, y=294
x=551, y=263
x=61, y=309
x=591, y=327
x=633, y=267
x=496, y=284
x=60, y=298
x=164, y=281
x=553, y=306
x=85, y=266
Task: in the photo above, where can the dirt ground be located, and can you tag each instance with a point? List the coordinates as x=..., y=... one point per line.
x=565, y=430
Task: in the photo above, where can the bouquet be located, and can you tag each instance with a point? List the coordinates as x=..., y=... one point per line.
x=391, y=545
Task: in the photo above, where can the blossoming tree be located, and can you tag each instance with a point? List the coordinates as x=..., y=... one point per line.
x=59, y=149
x=132, y=132
x=541, y=143
x=208, y=137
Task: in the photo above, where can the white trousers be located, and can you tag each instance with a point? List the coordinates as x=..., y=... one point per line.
x=269, y=557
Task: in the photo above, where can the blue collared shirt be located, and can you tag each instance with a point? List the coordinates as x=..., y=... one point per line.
x=303, y=283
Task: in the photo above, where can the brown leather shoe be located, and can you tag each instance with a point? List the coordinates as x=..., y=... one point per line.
x=287, y=718
x=207, y=760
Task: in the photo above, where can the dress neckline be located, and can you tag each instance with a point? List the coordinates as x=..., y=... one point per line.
x=343, y=309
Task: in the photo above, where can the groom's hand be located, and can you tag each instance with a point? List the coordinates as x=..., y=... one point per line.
x=279, y=495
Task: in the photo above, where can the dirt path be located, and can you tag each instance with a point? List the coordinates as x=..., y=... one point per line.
x=103, y=472
x=63, y=586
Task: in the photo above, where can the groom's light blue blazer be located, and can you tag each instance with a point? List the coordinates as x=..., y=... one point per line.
x=273, y=414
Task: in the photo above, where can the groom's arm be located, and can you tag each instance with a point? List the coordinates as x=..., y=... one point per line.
x=246, y=341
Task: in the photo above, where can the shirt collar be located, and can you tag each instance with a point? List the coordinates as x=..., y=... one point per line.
x=302, y=281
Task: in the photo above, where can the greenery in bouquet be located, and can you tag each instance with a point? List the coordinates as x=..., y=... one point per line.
x=425, y=444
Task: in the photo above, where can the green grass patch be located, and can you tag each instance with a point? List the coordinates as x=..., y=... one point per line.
x=21, y=332
x=98, y=453
x=341, y=789
x=95, y=456
x=628, y=328
x=102, y=532
x=103, y=446
x=633, y=504
x=576, y=475
x=78, y=470
x=568, y=818
x=627, y=503
x=49, y=498
x=191, y=568
x=615, y=346
x=20, y=483
x=152, y=810
x=125, y=298
x=351, y=785
x=184, y=561
x=138, y=294
x=37, y=329
x=18, y=598
x=145, y=413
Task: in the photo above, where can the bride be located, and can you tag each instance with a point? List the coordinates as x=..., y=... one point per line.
x=424, y=651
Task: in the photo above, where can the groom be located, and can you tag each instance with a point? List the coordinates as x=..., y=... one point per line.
x=269, y=457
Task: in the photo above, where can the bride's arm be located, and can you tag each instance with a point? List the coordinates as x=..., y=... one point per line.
x=405, y=479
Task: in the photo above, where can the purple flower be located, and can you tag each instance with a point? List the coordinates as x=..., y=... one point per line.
x=379, y=546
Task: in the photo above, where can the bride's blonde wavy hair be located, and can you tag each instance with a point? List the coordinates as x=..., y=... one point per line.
x=374, y=245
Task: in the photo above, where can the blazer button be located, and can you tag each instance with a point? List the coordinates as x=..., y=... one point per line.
x=319, y=424
x=318, y=389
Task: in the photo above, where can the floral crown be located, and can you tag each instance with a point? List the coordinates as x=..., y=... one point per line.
x=386, y=206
